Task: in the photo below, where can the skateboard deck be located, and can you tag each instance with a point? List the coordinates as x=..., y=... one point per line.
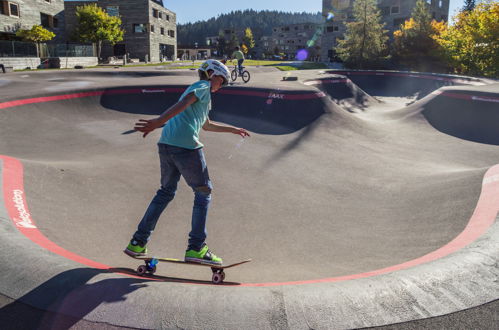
x=151, y=262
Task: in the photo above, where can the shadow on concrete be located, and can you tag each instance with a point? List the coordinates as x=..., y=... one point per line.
x=57, y=303
x=471, y=120
x=67, y=298
x=273, y=116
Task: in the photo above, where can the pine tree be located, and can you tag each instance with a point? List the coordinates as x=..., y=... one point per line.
x=469, y=5
x=415, y=46
x=365, y=40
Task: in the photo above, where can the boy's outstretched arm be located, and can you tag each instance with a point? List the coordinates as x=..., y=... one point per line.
x=212, y=126
x=147, y=126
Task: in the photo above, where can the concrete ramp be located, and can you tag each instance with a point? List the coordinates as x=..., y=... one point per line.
x=360, y=204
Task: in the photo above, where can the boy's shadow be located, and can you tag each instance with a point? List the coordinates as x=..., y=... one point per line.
x=67, y=298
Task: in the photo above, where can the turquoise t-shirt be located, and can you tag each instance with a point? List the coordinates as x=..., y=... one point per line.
x=183, y=129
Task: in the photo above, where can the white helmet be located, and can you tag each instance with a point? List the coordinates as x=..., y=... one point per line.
x=219, y=69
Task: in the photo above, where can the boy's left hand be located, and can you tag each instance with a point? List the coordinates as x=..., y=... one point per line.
x=147, y=126
x=241, y=131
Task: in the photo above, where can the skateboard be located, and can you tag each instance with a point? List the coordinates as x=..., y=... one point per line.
x=150, y=266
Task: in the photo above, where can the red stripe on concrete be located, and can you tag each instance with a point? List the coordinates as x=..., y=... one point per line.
x=470, y=97
x=48, y=99
x=482, y=218
x=399, y=74
x=275, y=95
x=17, y=208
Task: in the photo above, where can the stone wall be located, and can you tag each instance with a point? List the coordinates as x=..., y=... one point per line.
x=29, y=15
x=20, y=63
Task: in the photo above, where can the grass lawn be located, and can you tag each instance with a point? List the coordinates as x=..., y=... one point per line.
x=281, y=65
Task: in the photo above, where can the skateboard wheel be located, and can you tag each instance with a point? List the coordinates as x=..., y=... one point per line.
x=223, y=275
x=141, y=270
x=152, y=270
x=217, y=278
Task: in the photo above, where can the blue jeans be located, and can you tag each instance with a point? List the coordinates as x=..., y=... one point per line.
x=190, y=164
x=240, y=65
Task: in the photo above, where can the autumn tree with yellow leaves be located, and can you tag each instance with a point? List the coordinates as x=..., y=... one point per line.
x=471, y=45
x=415, y=45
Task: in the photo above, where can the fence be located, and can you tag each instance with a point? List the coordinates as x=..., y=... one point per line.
x=29, y=49
x=17, y=49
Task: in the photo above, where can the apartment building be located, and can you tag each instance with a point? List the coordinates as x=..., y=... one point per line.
x=23, y=14
x=292, y=39
x=394, y=13
x=150, y=28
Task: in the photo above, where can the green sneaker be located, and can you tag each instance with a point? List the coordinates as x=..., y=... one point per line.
x=204, y=256
x=136, y=249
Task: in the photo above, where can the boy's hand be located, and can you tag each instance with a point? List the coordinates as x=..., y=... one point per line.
x=147, y=126
x=240, y=131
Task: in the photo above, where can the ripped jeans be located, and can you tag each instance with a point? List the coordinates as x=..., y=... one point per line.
x=190, y=164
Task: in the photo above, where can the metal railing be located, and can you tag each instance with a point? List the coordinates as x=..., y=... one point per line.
x=29, y=49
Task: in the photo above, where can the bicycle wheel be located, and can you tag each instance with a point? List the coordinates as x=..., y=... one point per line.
x=233, y=75
x=246, y=76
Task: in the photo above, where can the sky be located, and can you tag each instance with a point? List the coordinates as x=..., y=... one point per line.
x=196, y=10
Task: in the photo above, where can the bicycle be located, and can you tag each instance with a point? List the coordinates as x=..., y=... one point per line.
x=245, y=75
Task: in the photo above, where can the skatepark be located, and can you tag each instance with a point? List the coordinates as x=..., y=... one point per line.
x=364, y=199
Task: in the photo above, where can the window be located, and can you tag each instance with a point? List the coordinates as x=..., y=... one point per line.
x=398, y=21
x=155, y=12
x=160, y=15
x=152, y=28
x=395, y=10
x=440, y=4
x=330, y=29
x=385, y=10
x=48, y=1
x=162, y=30
x=171, y=33
x=167, y=17
x=113, y=10
x=45, y=20
x=14, y=9
x=55, y=22
x=139, y=28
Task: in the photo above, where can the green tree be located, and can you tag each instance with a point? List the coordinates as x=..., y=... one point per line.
x=414, y=46
x=37, y=34
x=365, y=40
x=231, y=45
x=221, y=44
x=96, y=26
x=471, y=44
x=248, y=40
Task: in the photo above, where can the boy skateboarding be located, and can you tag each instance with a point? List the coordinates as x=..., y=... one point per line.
x=181, y=154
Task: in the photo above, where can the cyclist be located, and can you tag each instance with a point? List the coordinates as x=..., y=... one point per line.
x=181, y=154
x=238, y=54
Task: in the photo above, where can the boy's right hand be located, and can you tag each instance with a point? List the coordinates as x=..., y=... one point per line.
x=147, y=126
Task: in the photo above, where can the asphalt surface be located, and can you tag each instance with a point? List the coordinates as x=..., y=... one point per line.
x=340, y=177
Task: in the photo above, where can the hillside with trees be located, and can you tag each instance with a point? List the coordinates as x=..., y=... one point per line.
x=260, y=22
